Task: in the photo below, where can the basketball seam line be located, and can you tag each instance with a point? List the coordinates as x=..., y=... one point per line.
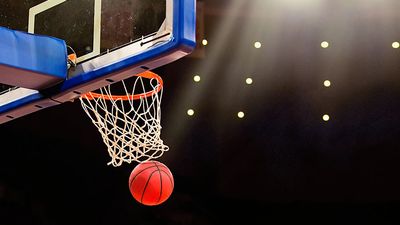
x=167, y=172
x=133, y=179
x=170, y=180
x=155, y=162
x=169, y=177
x=160, y=165
x=161, y=189
x=144, y=190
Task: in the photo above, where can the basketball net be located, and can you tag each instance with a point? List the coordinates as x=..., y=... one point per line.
x=129, y=124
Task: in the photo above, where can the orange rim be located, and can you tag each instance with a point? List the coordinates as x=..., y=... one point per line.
x=146, y=74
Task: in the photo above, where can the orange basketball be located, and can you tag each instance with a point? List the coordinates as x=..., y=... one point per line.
x=151, y=183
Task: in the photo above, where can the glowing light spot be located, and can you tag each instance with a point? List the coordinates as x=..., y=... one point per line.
x=257, y=44
x=325, y=44
x=197, y=78
x=326, y=118
x=327, y=83
x=190, y=112
x=249, y=81
x=240, y=114
x=396, y=44
x=204, y=42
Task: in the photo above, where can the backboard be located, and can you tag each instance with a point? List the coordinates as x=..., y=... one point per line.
x=112, y=39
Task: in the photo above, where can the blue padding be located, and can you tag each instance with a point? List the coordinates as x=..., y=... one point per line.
x=31, y=61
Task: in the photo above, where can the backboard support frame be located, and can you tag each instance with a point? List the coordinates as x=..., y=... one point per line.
x=34, y=11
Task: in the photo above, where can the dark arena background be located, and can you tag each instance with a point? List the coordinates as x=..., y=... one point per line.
x=286, y=113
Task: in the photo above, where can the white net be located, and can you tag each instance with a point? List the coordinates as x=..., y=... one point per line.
x=130, y=125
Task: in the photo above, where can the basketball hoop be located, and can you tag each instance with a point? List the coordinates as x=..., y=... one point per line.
x=129, y=124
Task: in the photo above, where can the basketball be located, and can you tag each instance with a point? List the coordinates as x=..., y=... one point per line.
x=151, y=183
